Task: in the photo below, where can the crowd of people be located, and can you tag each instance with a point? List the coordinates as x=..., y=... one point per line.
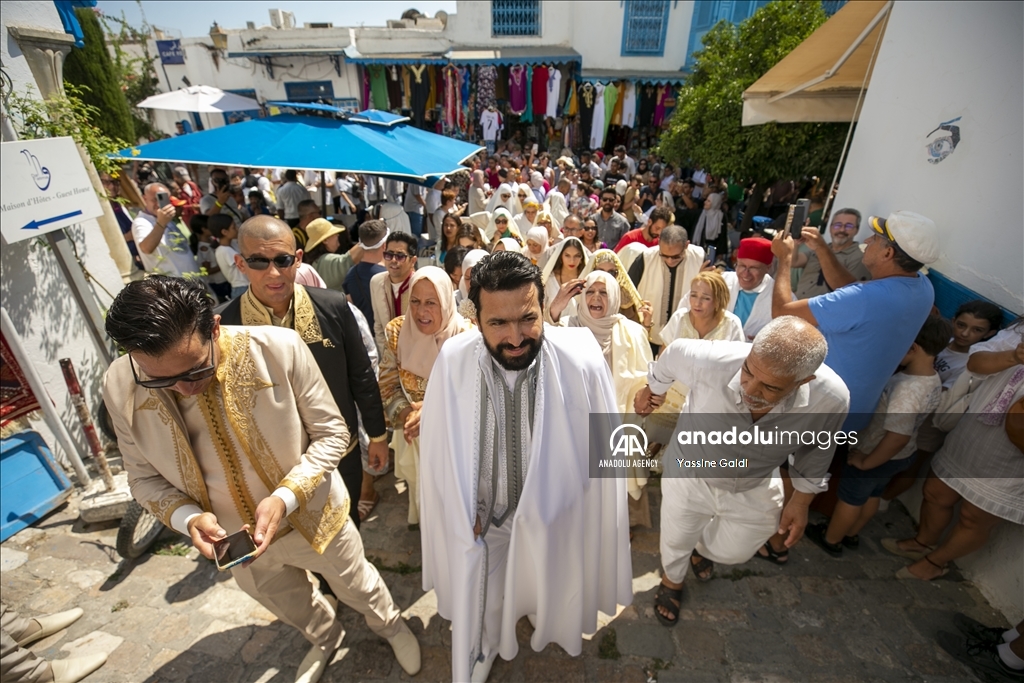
x=466, y=333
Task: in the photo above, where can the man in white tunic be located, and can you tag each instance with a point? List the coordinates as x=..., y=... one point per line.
x=722, y=501
x=512, y=524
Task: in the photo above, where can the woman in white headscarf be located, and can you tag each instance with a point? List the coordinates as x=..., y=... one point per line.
x=528, y=218
x=502, y=224
x=628, y=353
x=537, y=186
x=709, y=225
x=536, y=242
x=477, y=193
x=557, y=207
x=413, y=342
x=508, y=244
x=470, y=260
x=504, y=197
x=562, y=278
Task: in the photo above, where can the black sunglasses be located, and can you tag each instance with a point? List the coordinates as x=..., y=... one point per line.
x=282, y=261
x=395, y=256
x=164, y=382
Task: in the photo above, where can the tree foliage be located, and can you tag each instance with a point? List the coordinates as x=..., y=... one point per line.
x=65, y=116
x=91, y=68
x=706, y=126
x=134, y=70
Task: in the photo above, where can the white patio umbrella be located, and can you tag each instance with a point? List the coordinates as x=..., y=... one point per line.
x=199, y=98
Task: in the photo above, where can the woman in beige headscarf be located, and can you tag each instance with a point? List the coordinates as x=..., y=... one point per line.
x=628, y=353
x=477, y=193
x=407, y=358
x=631, y=305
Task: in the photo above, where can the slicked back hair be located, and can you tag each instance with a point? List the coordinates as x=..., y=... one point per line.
x=153, y=315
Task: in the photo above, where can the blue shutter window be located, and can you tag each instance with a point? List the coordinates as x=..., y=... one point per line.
x=515, y=17
x=643, y=28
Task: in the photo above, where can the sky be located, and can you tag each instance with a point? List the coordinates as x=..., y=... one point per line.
x=194, y=19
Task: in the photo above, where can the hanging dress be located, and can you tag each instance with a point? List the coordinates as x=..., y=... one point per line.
x=572, y=101
x=598, y=127
x=452, y=96
x=659, y=108
x=517, y=88
x=629, y=105
x=378, y=87
x=420, y=93
x=406, y=88
x=587, y=99
x=394, y=88
x=648, y=100
x=539, y=89
x=611, y=96
x=485, y=77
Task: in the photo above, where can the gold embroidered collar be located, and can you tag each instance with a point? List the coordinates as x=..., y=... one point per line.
x=301, y=316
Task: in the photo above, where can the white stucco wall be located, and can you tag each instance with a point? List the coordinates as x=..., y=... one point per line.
x=933, y=67
x=597, y=35
x=32, y=288
x=471, y=24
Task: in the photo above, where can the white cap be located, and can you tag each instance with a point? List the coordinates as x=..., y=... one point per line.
x=915, y=234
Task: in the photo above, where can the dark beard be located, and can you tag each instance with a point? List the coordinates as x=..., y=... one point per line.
x=518, y=363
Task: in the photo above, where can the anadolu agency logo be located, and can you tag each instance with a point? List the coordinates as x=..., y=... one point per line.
x=628, y=447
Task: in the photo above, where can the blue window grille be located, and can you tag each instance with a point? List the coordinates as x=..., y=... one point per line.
x=643, y=28
x=310, y=91
x=515, y=17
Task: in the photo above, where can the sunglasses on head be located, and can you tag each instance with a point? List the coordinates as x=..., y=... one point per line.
x=395, y=256
x=164, y=382
x=282, y=261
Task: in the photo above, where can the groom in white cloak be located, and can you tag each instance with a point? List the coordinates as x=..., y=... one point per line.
x=512, y=524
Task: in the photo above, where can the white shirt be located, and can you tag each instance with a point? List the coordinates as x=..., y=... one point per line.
x=226, y=261
x=411, y=204
x=490, y=122
x=699, y=178
x=207, y=258
x=712, y=372
x=172, y=255
x=288, y=196
x=554, y=87
x=950, y=364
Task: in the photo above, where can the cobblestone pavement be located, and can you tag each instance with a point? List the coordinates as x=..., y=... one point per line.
x=172, y=616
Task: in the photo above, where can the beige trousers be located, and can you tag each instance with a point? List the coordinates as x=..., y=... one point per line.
x=278, y=580
x=407, y=468
x=18, y=665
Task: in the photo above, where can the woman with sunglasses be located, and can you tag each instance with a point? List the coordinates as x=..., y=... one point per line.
x=589, y=238
x=502, y=199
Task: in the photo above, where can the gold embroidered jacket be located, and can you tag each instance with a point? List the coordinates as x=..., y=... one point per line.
x=270, y=399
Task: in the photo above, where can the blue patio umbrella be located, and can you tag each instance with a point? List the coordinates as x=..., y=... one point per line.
x=371, y=142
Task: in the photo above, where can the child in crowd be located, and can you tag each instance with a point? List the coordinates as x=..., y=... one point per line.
x=975, y=321
x=224, y=229
x=206, y=256
x=887, y=446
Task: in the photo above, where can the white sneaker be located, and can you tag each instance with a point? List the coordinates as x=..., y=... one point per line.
x=75, y=669
x=481, y=670
x=312, y=666
x=52, y=623
x=407, y=650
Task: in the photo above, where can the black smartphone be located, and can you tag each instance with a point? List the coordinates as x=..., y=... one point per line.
x=712, y=254
x=163, y=199
x=798, y=216
x=235, y=549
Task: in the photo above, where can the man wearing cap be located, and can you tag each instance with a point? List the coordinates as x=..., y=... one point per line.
x=868, y=325
x=821, y=266
x=750, y=286
x=324, y=321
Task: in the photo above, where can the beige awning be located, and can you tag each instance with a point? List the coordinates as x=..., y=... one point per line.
x=822, y=78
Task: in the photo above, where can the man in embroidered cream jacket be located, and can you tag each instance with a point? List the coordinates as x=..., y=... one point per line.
x=223, y=428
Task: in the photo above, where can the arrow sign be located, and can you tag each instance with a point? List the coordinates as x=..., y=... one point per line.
x=35, y=225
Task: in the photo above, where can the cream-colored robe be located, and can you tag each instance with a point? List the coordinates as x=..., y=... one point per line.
x=268, y=420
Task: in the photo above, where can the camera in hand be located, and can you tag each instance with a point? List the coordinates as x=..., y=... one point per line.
x=797, y=217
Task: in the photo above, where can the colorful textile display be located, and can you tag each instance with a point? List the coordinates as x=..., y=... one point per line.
x=378, y=87
x=485, y=78
x=539, y=90
x=16, y=397
x=517, y=88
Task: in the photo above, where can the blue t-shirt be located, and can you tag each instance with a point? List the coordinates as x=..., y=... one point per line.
x=744, y=305
x=357, y=286
x=870, y=326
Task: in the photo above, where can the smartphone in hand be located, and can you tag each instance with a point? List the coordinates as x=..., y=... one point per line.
x=234, y=549
x=797, y=217
x=162, y=199
x=712, y=254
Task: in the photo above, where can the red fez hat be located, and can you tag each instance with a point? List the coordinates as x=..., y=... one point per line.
x=756, y=248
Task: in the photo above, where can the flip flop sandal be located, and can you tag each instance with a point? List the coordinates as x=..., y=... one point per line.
x=904, y=573
x=893, y=546
x=779, y=557
x=663, y=598
x=365, y=507
x=704, y=569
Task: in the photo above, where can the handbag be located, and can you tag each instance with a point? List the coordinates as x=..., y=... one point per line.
x=955, y=402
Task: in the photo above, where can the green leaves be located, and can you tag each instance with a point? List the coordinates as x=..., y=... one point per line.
x=707, y=128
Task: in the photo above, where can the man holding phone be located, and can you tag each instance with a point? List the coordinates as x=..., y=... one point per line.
x=162, y=246
x=234, y=428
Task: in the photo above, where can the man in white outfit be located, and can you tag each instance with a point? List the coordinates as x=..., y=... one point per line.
x=512, y=525
x=724, y=512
